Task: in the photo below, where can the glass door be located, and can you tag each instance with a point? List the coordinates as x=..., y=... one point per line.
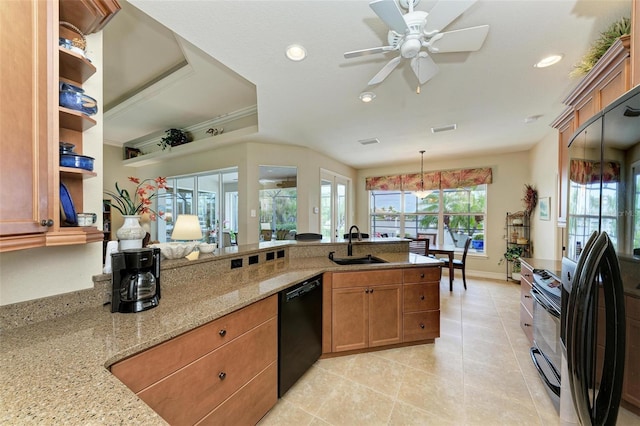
x=334, y=210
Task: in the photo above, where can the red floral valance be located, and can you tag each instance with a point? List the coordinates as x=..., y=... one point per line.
x=447, y=179
x=586, y=171
x=411, y=182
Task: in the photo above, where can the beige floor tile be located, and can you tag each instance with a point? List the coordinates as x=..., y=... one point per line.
x=434, y=393
x=485, y=408
x=407, y=415
x=498, y=380
x=337, y=365
x=380, y=374
x=351, y=404
x=284, y=414
x=313, y=389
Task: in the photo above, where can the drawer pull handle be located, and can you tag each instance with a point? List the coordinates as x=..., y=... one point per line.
x=527, y=325
x=46, y=222
x=422, y=297
x=222, y=375
x=527, y=296
x=422, y=325
x=222, y=332
x=371, y=291
x=422, y=275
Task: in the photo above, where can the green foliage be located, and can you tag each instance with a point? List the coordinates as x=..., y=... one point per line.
x=174, y=137
x=601, y=45
x=478, y=237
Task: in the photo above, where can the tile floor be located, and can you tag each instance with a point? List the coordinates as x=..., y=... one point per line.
x=477, y=373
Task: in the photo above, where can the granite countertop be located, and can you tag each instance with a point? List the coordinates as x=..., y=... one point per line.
x=56, y=371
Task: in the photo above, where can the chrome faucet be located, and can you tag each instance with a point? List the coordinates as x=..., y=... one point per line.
x=350, y=245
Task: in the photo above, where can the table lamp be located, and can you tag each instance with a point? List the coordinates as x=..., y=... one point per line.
x=187, y=228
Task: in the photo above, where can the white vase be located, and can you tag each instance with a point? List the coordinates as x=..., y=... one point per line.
x=131, y=234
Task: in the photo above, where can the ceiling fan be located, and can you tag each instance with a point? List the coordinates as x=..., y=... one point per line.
x=411, y=32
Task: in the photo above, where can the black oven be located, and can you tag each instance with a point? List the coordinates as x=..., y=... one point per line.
x=546, y=353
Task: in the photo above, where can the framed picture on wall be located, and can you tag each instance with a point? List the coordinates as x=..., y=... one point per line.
x=545, y=208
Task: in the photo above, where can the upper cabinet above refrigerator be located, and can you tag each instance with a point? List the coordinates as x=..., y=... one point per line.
x=604, y=177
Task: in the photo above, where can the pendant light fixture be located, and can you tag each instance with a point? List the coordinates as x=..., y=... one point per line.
x=421, y=193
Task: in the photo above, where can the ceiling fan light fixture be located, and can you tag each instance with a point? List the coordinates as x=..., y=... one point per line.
x=367, y=97
x=548, y=61
x=296, y=52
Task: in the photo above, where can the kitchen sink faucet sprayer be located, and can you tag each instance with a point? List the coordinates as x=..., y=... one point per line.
x=350, y=245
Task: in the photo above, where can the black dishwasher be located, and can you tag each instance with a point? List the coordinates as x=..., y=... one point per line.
x=299, y=331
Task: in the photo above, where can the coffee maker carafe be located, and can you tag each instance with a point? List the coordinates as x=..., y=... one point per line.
x=135, y=280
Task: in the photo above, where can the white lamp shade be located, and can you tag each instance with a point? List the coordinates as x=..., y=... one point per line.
x=187, y=227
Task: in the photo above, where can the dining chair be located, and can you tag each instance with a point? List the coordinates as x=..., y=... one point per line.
x=420, y=246
x=459, y=263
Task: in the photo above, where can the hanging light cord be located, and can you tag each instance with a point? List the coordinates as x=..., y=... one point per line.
x=422, y=170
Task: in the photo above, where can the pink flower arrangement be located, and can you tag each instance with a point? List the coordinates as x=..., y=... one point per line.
x=142, y=197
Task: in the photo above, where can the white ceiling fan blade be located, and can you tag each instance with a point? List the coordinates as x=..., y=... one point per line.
x=464, y=40
x=423, y=67
x=444, y=12
x=385, y=71
x=390, y=14
x=364, y=52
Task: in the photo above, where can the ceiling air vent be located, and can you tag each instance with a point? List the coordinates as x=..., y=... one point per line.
x=369, y=141
x=444, y=128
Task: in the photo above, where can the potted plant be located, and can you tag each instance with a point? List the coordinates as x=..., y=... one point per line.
x=513, y=254
x=174, y=137
x=477, y=241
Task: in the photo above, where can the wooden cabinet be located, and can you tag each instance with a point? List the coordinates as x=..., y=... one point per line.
x=526, y=301
x=26, y=127
x=224, y=372
x=421, y=307
x=366, y=309
x=631, y=385
x=635, y=43
x=33, y=124
x=609, y=79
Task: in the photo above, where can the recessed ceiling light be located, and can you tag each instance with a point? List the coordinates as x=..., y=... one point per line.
x=548, y=61
x=367, y=96
x=296, y=52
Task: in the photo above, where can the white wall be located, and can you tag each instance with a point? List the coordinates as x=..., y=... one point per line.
x=510, y=173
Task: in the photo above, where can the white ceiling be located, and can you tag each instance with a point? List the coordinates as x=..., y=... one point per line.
x=315, y=102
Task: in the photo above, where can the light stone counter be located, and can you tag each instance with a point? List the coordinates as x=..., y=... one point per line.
x=56, y=371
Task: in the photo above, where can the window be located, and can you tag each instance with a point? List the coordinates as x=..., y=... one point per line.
x=448, y=216
x=278, y=198
x=213, y=196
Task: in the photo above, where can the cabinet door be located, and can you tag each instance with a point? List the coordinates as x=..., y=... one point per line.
x=564, y=136
x=349, y=319
x=26, y=128
x=631, y=385
x=385, y=315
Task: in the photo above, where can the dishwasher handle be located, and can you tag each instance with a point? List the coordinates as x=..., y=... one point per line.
x=302, y=289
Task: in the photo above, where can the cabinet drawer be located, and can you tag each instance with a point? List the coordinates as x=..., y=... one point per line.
x=525, y=297
x=148, y=367
x=526, y=274
x=250, y=403
x=526, y=323
x=189, y=394
x=422, y=275
x=366, y=278
x=421, y=297
x=421, y=326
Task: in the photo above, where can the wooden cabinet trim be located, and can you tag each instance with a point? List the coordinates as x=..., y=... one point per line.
x=366, y=278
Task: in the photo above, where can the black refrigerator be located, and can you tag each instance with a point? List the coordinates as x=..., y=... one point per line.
x=603, y=234
x=593, y=333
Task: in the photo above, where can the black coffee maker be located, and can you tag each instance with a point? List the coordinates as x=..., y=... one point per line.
x=135, y=280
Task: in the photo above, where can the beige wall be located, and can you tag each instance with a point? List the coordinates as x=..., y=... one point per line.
x=247, y=157
x=545, y=235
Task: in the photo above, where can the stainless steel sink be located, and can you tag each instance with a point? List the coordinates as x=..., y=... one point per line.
x=358, y=260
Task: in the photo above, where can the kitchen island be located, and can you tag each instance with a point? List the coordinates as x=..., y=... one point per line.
x=57, y=370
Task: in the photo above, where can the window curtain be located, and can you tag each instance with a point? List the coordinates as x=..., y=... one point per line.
x=447, y=179
x=585, y=171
